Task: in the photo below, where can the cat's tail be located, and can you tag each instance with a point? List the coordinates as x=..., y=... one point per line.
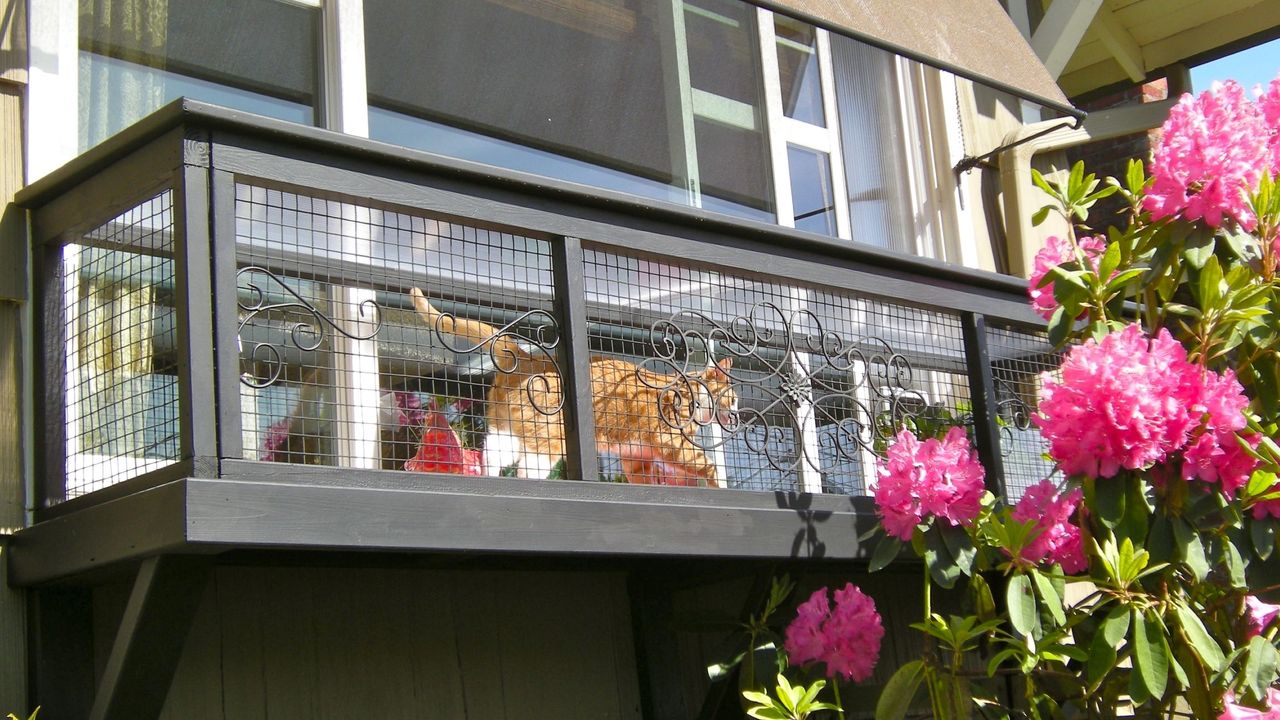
x=486, y=337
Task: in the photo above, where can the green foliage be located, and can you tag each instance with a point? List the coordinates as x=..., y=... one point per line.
x=788, y=702
x=1157, y=620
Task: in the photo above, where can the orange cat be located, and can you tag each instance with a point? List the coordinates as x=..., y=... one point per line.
x=643, y=417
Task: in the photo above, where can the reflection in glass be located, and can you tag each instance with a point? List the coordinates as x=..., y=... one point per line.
x=811, y=195
x=585, y=97
x=875, y=141
x=801, y=82
x=253, y=55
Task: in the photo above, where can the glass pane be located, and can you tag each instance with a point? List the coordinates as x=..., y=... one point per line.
x=723, y=49
x=254, y=55
x=811, y=195
x=515, y=84
x=728, y=98
x=875, y=145
x=798, y=71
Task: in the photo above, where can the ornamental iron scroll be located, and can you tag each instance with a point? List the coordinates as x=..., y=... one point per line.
x=305, y=335
x=514, y=354
x=859, y=389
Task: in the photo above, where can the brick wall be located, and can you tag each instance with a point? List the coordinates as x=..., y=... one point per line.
x=1111, y=157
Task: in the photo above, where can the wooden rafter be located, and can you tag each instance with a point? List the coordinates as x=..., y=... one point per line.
x=1120, y=43
x=1061, y=30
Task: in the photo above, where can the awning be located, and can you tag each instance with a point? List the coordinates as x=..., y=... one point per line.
x=975, y=39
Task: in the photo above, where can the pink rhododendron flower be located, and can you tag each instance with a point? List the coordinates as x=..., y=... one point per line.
x=1259, y=615
x=1121, y=403
x=1055, y=252
x=1211, y=154
x=845, y=637
x=1232, y=711
x=1269, y=106
x=940, y=478
x=1215, y=455
x=1058, y=540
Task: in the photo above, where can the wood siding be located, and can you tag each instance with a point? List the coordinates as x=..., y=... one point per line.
x=13, y=73
x=274, y=643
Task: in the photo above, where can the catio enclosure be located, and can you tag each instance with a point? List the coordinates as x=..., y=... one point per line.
x=226, y=322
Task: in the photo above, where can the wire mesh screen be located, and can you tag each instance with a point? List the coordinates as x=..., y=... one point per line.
x=121, y=402
x=342, y=364
x=712, y=379
x=1017, y=360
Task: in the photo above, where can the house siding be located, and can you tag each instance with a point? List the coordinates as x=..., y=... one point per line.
x=278, y=643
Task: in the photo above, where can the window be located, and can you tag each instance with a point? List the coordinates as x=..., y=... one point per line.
x=135, y=56
x=715, y=104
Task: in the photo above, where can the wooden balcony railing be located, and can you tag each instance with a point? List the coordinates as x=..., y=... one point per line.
x=231, y=356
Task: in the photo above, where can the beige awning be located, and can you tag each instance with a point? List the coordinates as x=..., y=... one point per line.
x=972, y=38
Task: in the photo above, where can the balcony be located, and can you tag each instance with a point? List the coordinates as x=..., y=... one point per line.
x=229, y=357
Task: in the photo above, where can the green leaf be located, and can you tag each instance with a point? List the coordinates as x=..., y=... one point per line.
x=898, y=693
x=1109, y=262
x=1235, y=564
x=1022, y=605
x=1205, y=647
x=1106, y=643
x=1263, y=533
x=1199, y=249
x=886, y=551
x=1260, y=668
x=1190, y=549
x=1039, y=181
x=1040, y=215
x=1102, y=653
x=1109, y=502
x=1209, y=287
x=1050, y=597
x=984, y=604
x=1160, y=541
x=1150, y=654
x=1136, y=511
x=1060, y=326
x=960, y=545
x=942, y=566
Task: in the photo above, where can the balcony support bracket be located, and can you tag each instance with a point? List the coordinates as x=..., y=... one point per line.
x=148, y=645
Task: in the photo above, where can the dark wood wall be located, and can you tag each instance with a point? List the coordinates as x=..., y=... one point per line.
x=279, y=643
x=271, y=643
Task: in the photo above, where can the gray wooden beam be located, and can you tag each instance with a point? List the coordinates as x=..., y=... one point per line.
x=157, y=618
x=97, y=536
x=687, y=522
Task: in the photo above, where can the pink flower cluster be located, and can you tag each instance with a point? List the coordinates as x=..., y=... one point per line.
x=1211, y=155
x=1232, y=711
x=1131, y=401
x=1055, y=252
x=1258, y=615
x=1058, y=538
x=845, y=637
x=941, y=478
x=1269, y=106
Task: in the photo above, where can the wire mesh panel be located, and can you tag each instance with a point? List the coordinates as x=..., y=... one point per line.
x=121, y=401
x=712, y=379
x=384, y=339
x=1017, y=360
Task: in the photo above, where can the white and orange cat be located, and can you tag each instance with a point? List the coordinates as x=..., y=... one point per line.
x=645, y=418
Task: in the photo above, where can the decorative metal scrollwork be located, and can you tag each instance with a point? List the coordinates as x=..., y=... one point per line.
x=305, y=335
x=1014, y=413
x=513, y=353
x=859, y=390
